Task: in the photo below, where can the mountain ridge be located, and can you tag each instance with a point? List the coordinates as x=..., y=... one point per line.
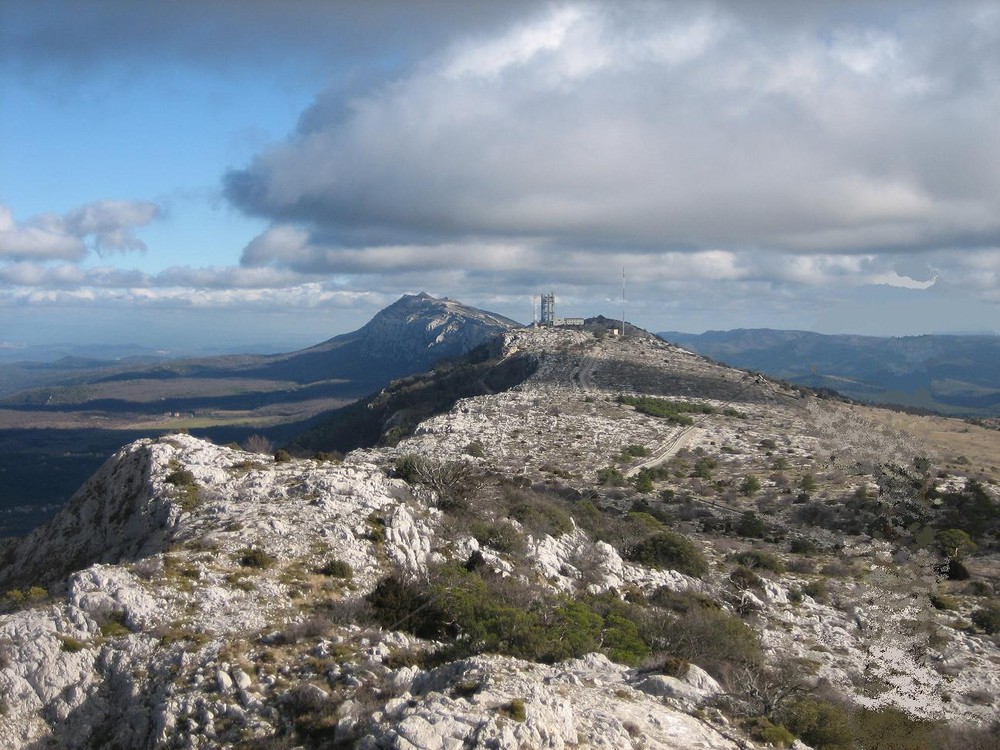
x=947, y=373
x=579, y=558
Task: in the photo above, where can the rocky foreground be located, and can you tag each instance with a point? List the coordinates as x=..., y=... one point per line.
x=192, y=595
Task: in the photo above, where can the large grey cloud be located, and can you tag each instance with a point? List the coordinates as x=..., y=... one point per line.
x=658, y=127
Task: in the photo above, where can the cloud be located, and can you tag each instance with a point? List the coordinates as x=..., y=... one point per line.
x=102, y=226
x=653, y=127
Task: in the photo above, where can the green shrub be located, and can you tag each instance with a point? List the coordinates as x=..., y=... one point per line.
x=254, y=557
x=408, y=468
x=610, y=476
x=493, y=615
x=955, y=544
x=681, y=601
x=621, y=640
x=802, y=546
x=987, y=618
x=759, y=559
x=282, y=456
x=516, y=710
x=773, y=735
x=750, y=526
x=808, y=482
x=703, y=468
x=673, y=411
x=538, y=515
x=181, y=478
x=475, y=449
x=889, y=728
x=376, y=528
x=634, y=451
x=817, y=589
x=114, y=625
x=672, y=551
x=744, y=578
x=821, y=724
x=643, y=482
x=337, y=569
x=401, y=604
x=944, y=602
x=711, y=638
x=750, y=485
x=71, y=645
x=501, y=536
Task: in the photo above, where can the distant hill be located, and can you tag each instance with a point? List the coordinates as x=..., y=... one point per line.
x=406, y=337
x=957, y=375
x=60, y=420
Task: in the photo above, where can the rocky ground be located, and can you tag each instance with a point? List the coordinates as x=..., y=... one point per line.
x=192, y=595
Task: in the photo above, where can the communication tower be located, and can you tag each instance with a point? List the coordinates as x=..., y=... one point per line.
x=548, y=309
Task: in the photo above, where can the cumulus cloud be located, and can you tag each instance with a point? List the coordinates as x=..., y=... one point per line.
x=659, y=127
x=102, y=226
x=728, y=155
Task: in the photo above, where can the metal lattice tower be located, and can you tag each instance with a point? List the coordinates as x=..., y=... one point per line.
x=548, y=309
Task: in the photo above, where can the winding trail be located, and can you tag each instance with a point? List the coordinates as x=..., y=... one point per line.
x=673, y=444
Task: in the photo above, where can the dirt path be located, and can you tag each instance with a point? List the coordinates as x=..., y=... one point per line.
x=582, y=375
x=665, y=451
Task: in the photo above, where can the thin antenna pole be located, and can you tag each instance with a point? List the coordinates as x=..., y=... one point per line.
x=623, y=300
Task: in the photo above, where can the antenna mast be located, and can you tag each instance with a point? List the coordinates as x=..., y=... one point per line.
x=623, y=301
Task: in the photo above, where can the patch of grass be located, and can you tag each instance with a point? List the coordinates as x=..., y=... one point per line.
x=71, y=645
x=114, y=625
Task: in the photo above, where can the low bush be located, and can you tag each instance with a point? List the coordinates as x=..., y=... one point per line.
x=760, y=560
x=500, y=536
x=672, y=551
x=673, y=411
x=254, y=557
x=476, y=614
x=821, y=724
x=538, y=515
x=113, y=625
x=817, y=589
x=610, y=476
x=336, y=569
x=750, y=526
x=516, y=710
x=181, y=478
x=633, y=451
x=711, y=638
x=944, y=602
x=408, y=468
x=987, y=618
x=803, y=546
x=750, y=486
x=681, y=601
x=744, y=578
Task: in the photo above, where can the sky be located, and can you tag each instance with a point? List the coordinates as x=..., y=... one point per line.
x=256, y=174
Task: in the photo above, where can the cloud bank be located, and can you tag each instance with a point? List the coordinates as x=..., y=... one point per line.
x=737, y=159
x=652, y=128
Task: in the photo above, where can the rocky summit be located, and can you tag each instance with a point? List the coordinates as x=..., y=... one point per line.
x=632, y=547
